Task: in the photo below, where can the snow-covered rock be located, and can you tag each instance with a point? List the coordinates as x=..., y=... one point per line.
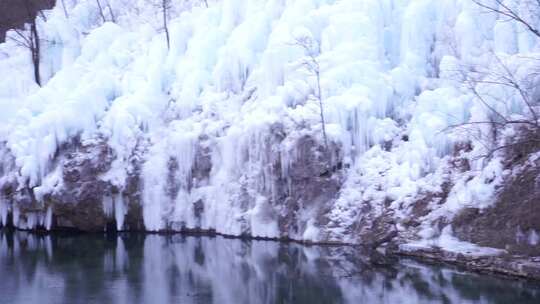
x=222, y=132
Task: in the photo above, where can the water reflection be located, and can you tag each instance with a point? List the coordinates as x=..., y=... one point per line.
x=135, y=268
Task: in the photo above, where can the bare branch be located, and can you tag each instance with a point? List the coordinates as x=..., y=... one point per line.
x=111, y=12
x=484, y=83
x=100, y=10
x=500, y=8
x=165, y=6
x=312, y=65
x=65, y=9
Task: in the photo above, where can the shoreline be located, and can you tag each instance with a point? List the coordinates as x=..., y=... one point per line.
x=506, y=266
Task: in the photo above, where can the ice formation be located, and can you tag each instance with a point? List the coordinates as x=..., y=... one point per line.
x=218, y=117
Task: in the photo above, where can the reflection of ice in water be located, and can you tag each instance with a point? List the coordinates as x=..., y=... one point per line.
x=121, y=257
x=4, y=249
x=154, y=270
x=116, y=260
x=28, y=280
x=131, y=268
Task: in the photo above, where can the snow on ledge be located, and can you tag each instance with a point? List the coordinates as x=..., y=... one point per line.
x=447, y=242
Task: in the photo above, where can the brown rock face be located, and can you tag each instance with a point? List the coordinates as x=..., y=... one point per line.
x=315, y=178
x=513, y=222
x=79, y=204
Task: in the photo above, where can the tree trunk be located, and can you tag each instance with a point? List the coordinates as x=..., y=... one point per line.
x=321, y=108
x=35, y=50
x=111, y=12
x=34, y=43
x=165, y=6
x=65, y=9
x=101, y=11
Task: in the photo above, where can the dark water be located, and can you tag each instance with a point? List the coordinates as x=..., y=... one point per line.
x=135, y=268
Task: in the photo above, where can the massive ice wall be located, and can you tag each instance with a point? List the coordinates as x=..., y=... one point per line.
x=223, y=132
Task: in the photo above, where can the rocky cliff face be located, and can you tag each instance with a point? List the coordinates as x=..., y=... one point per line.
x=316, y=121
x=297, y=198
x=81, y=198
x=512, y=222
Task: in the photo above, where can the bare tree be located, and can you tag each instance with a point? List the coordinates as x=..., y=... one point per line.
x=34, y=45
x=28, y=36
x=513, y=13
x=100, y=10
x=311, y=63
x=165, y=7
x=483, y=82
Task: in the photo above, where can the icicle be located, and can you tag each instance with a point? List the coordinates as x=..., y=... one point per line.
x=48, y=219
x=108, y=207
x=3, y=212
x=153, y=194
x=120, y=211
x=40, y=219
x=180, y=146
x=184, y=149
x=289, y=154
x=31, y=220
x=16, y=216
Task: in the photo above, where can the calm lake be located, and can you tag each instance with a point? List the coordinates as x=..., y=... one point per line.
x=138, y=268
